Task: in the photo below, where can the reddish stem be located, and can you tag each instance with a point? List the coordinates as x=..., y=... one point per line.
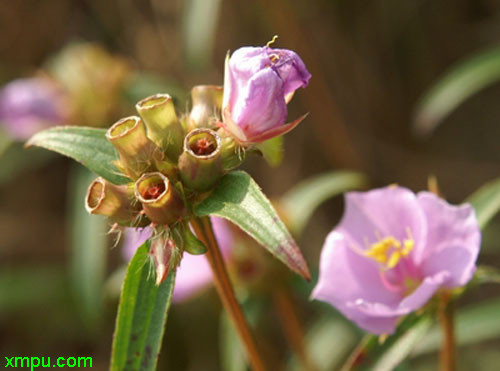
x=203, y=228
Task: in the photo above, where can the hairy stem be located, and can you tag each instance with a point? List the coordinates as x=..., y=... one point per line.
x=203, y=228
x=446, y=316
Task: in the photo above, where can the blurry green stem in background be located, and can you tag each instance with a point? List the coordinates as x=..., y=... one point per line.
x=287, y=314
x=203, y=229
x=356, y=355
x=88, y=251
x=446, y=316
x=460, y=83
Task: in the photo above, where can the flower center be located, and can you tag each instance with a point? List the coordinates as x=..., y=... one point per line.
x=203, y=147
x=389, y=251
x=154, y=191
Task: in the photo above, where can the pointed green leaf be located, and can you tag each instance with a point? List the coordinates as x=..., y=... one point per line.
x=309, y=194
x=272, y=150
x=85, y=145
x=460, y=83
x=486, y=202
x=142, y=315
x=239, y=199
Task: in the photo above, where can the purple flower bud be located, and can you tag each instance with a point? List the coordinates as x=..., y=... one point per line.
x=258, y=84
x=30, y=105
x=392, y=251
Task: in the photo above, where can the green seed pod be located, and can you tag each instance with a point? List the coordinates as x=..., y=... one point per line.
x=206, y=106
x=115, y=202
x=160, y=200
x=137, y=152
x=163, y=126
x=200, y=164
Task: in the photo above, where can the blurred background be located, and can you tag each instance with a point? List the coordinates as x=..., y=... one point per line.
x=401, y=90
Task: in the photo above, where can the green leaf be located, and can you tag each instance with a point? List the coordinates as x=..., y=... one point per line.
x=239, y=199
x=461, y=82
x=88, y=250
x=272, y=150
x=85, y=145
x=486, y=202
x=142, y=315
x=309, y=194
x=475, y=323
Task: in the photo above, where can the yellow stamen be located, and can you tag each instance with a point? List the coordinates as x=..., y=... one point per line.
x=389, y=251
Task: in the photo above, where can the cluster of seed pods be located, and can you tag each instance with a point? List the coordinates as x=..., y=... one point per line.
x=171, y=163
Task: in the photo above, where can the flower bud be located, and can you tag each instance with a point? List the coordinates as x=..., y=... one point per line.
x=206, y=109
x=258, y=84
x=161, y=202
x=200, y=164
x=163, y=126
x=114, y=201
x=162, y=251
x=137, y=152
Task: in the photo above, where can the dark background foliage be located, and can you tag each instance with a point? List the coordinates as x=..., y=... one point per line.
x=371, y=62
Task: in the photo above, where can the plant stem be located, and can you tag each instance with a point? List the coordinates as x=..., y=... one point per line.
x=356, y=355
x=446, y=314
x=203, y=228
x=291, y=326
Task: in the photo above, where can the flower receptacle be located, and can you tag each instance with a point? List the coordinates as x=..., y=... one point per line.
x=163, y=126
x=114, y=201
x=206, y=106
x=137, y=152
x=200, y=164
x=160, y=200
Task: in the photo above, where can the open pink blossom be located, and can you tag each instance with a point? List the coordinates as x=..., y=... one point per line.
x=392, y=251
x=31, y=104
x=258, y=84
x=194, y=274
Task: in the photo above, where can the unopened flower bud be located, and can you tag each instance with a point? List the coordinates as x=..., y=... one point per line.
x=163, y=126
x=114, y=201
x=206, y=109
x=163, y=251
x=200, y=164
x=160, y=200
x=258, y=84
x=137, y=152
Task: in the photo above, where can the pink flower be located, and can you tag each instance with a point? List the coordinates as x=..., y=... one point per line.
x=30, y=105
x=392, y=251
x=258, y=83
x=194, y=274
